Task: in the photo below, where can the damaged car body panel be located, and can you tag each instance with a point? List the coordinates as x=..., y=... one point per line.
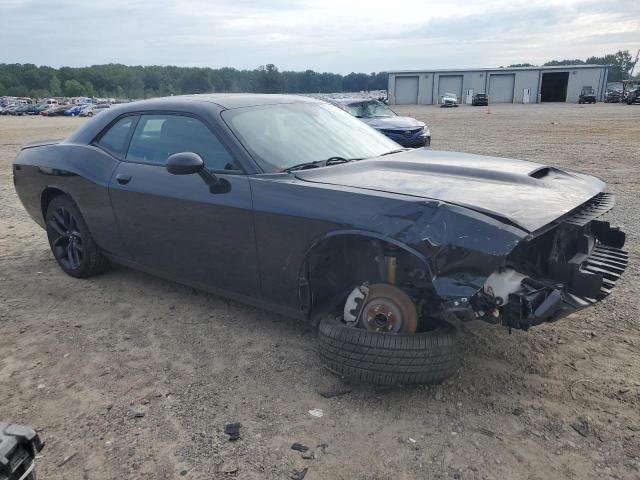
x=475, y=221
x=502, y=240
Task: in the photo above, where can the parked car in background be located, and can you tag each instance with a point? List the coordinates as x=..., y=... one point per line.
x=449, y=100
x=587, y=95
x=406, y=131
x=55, y=110
x=613, y=96
x=633, y=97
x=93, y=109
x=74, y=111
x=480, y=99
x=292, y=204
x=40, y=108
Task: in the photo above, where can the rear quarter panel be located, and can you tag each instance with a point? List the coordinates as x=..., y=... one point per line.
x=81, y=171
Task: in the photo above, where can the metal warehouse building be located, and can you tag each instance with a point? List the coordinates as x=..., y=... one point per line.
x=503, y=85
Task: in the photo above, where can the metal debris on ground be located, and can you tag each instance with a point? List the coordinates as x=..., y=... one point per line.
x=299, y=447
x=67, y=459
x=233, y=430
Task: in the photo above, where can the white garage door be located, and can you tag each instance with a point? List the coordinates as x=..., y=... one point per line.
x=450, y=84
x=406, y=90
x=501, y=88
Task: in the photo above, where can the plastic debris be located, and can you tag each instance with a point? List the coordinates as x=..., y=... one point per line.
x=316, y=412
x=299, y=474
x=233, y=430
x=298, y=447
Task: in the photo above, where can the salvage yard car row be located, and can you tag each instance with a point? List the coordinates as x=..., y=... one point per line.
x=53, y=109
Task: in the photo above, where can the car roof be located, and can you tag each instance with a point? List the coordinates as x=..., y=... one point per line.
x=228, y=100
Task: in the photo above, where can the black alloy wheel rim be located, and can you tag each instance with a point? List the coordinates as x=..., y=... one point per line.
x=65, y=237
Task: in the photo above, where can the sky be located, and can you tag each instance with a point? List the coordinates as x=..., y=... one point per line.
x=339, y=36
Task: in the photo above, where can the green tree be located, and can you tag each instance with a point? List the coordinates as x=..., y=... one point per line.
x=89, y=90
x=73, y=88
x=269, y=79
x=55, y=89
x=560, y=63
x=621, y=63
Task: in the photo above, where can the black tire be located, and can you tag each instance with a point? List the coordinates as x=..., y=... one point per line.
x=87, y=259
x=388, y=359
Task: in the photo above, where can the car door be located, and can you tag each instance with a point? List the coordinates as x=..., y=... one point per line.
x=177, y=225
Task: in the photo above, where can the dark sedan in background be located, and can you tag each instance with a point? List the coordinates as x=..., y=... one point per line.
x=292, y=204
x=406, y=131
x=480, y=99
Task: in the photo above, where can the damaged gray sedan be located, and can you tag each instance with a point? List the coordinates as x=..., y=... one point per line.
x=291, y=204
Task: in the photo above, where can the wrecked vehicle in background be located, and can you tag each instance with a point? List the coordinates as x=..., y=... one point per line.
x=406, y=131
x=294, y=205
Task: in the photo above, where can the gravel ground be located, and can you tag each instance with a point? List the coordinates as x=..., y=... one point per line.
x=128, y=376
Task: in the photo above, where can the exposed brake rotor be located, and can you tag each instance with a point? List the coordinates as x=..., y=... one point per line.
x=385, y=308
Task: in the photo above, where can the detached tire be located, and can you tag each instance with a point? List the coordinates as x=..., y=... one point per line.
x=388, y=359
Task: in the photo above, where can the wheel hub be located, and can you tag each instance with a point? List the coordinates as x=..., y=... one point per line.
x=388, y=309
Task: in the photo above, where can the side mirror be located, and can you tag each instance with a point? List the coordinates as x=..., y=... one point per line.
x=184, y=163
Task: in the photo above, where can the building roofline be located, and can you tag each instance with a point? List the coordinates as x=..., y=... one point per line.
x=498, y=69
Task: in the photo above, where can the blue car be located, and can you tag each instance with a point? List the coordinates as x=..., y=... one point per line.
x=74, y=111
x=406, y=131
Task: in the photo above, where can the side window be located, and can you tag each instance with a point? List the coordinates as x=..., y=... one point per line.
x=114, y=140
x=158, y=136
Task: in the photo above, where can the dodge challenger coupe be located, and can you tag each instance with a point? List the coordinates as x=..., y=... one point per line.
x=292, y=204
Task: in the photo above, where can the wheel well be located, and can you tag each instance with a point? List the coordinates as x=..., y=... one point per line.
x=338, y=264
x=48, y=194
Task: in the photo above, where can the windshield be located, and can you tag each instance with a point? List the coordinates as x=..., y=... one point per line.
x=281, y=136
x=369, y=109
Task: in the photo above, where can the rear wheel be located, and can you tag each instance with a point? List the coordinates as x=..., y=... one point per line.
x=70, y=240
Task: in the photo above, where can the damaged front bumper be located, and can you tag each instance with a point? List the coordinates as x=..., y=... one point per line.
x=541, y=302
x=583, y=260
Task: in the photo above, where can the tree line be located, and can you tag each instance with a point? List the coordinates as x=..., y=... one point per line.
x=621, y=64
x=121, y=81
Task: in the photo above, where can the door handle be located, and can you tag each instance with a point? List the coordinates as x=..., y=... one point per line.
x=123, y=179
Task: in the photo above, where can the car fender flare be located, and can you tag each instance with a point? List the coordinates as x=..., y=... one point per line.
x=303, y=274
x=46, y=197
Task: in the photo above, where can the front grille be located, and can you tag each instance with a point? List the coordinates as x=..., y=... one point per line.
x=404, y=133
x=597, y=206
x=607, y=262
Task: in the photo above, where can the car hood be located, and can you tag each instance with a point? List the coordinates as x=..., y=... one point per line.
x=526, y=194
x=391, y=123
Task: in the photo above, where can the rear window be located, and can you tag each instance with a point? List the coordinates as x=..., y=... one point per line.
x=114, y=140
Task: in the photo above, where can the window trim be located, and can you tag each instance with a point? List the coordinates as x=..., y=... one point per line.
x=108, y=127
x=235, y=171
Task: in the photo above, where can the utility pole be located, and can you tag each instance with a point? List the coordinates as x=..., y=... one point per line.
x=634, y=64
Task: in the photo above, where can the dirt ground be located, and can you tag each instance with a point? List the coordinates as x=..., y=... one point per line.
x=128, y=376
